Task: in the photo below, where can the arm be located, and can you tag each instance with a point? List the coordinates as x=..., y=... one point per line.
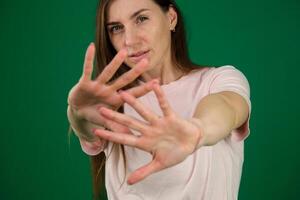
x=81, y=127
x=170, y=138
x=218, y=114
x=90, y=144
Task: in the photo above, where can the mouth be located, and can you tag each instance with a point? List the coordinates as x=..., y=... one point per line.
x=138, y=56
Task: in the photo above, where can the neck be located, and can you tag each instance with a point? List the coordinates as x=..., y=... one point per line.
x=165, y=73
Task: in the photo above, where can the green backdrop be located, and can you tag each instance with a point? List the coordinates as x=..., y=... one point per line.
x=42, y=49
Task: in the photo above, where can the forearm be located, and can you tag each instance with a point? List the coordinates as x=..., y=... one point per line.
x=81, y=127
x=216, y=119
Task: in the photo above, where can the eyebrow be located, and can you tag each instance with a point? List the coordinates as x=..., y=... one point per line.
x=131, y=17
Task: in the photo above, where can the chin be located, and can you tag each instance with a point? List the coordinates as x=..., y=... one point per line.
x=132, y=65
x=129, y=64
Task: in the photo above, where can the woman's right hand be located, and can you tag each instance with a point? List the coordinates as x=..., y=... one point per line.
x=88, y=95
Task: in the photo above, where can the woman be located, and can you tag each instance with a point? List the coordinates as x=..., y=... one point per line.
x=174, y=130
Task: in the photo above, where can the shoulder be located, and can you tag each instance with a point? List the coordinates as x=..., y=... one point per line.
x=225, y=69
x=209, y=74
x=221, y=69
x=223, y=78
x=212, y=70
x=224, y=74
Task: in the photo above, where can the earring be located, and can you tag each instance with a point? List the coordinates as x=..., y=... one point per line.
x=173, y=30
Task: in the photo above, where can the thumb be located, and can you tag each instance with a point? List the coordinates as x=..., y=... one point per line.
x=114, y=126
x=143, y=172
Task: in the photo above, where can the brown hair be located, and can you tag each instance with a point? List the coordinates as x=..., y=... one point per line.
x=105, y=53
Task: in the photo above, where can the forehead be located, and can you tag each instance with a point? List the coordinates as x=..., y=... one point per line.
x=120, y=9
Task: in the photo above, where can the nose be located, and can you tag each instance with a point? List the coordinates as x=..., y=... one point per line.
x=131, y=38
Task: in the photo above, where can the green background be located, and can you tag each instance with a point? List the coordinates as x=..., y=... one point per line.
x=42, y=49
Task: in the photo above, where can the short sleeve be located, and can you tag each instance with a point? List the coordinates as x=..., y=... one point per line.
x=228, y=78
x=91, y=148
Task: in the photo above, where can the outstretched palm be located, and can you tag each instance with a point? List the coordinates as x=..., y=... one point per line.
x=88, y=95
x=169, y=138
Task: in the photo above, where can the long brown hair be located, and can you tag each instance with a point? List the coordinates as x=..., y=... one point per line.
x=105, y=53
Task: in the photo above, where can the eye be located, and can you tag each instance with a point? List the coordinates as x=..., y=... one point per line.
x=115, y=29
x=141, y=19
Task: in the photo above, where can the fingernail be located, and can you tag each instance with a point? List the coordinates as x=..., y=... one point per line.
x=128, y=50
x=102, y=109
x=129, y=182
x=144, y=62
x=123, y=52
x=156, y=81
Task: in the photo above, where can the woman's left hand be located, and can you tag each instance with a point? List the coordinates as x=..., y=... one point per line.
x=169, y=138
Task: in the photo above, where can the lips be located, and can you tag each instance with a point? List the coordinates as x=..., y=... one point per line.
x=138, y=56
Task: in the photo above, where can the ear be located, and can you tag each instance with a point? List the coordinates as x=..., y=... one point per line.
x=172, y=15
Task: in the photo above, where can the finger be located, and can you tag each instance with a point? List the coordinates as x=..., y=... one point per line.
x=114, y=126
x=88, y=62
x=143, y=172
x=131, y=75
x=146, y=113
x=117, y=137
x=143, y=89
x=162, y=100
x=123, y=119
x=112, y=67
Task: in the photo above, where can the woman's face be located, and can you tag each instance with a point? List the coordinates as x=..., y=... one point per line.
x=143, y=29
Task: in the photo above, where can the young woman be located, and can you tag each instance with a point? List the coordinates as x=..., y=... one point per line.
x=170, y=128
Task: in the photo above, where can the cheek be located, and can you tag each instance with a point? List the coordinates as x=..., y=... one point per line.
x=160, y=40
x=160, y=34
x=116, y=41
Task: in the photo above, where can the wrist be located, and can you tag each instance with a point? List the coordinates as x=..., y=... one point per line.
x=211, y=131
x=200, y=133
x=81, y=127
x=73, y=119
x=73, y=113
x=75, y=122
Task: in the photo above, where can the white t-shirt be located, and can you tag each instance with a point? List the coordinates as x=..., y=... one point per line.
x=210, y=173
